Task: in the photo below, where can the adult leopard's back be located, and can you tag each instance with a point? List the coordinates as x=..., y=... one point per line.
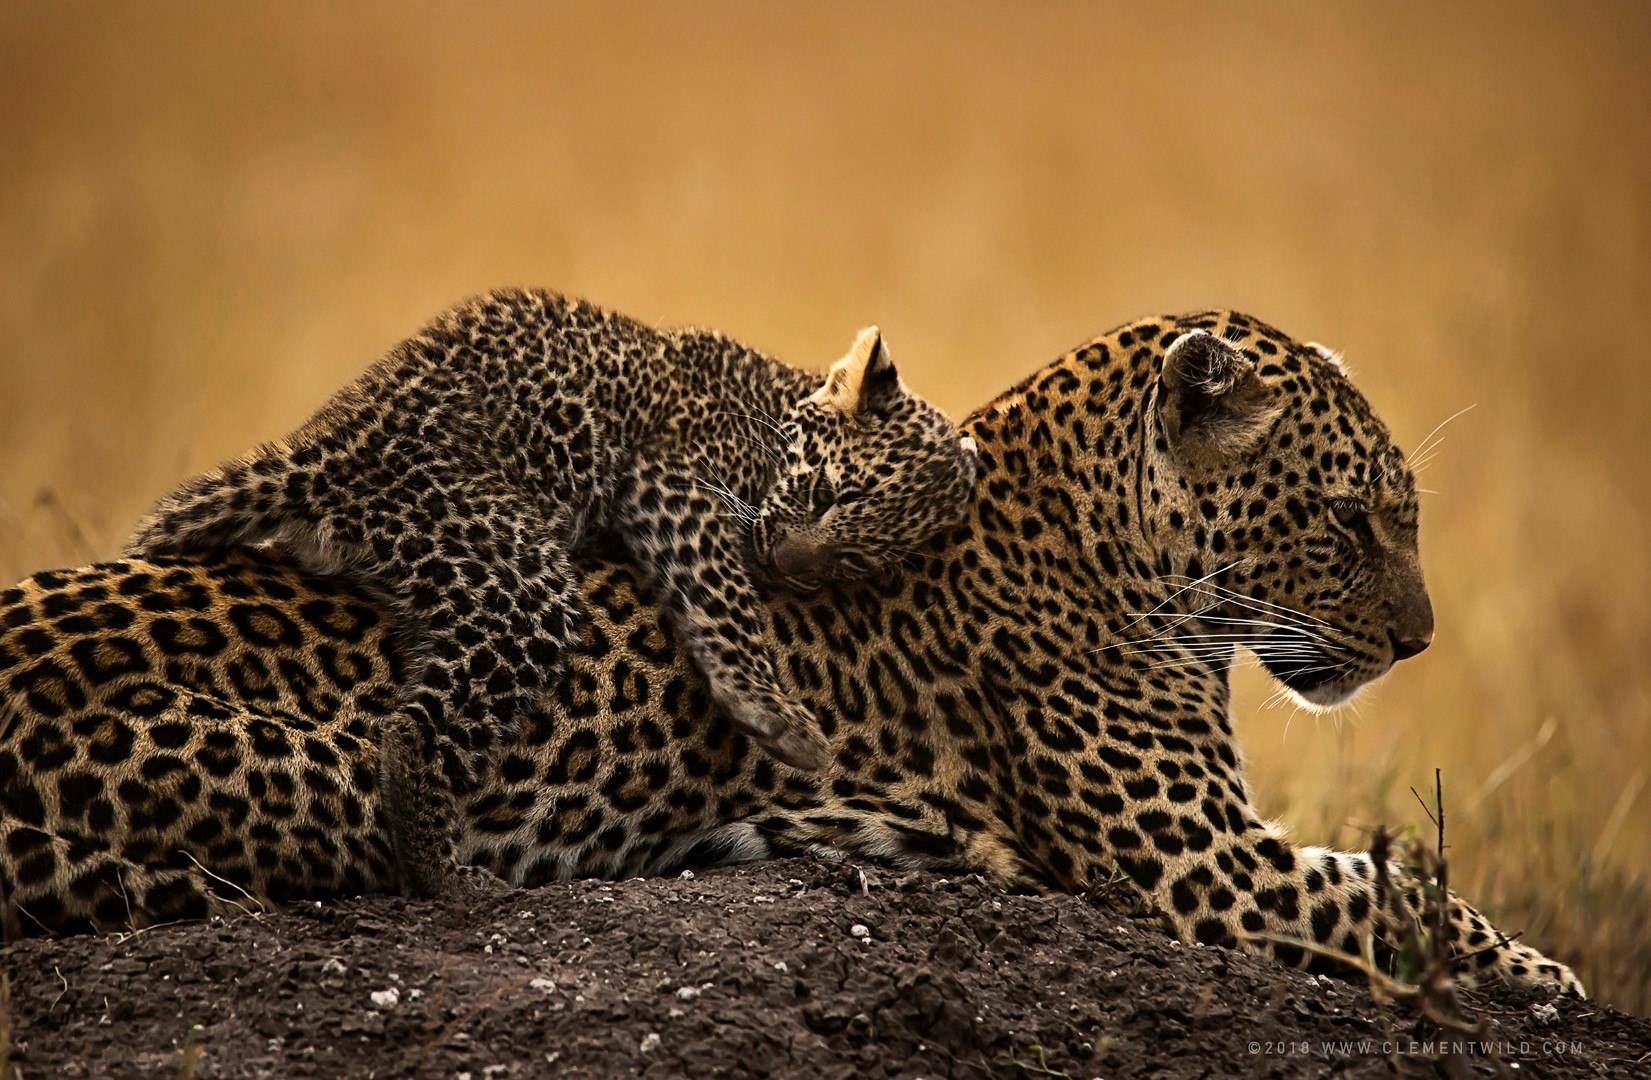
x=1043, y=697
x=173, y=731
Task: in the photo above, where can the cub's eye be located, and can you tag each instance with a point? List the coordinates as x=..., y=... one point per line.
x=1350, y=512
x=823, y=496
x=850, y=495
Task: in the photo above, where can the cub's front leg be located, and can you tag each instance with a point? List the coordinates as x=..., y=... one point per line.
x=694, y=542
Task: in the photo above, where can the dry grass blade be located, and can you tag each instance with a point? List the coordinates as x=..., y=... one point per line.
x=194, y=1047
x=7, y=1071
x=1035, y=1068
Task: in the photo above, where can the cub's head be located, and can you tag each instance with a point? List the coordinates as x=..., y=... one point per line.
x=1274, y=488
x=868, y=471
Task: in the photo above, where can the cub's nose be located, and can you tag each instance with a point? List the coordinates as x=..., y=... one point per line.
x=1405, y=648
x=798, y=557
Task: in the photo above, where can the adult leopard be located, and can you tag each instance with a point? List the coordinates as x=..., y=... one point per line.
x=1042, y=697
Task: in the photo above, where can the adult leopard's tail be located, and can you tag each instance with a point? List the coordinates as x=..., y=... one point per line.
x=240, y=503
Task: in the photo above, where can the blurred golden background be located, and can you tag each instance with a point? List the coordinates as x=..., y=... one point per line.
x=212, y=215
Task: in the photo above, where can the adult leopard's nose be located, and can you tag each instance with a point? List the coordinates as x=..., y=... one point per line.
x=1406, y=647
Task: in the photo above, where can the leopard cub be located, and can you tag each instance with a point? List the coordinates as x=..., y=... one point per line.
x=460, y=472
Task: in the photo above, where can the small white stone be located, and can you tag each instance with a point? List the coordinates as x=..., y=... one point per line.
x=688, y=993
x=860, y=930
x=1544, y=1012
x=779, y=965
x=687, y=875
x=543, y=984
x=650, y=1042
x=386, y=999
x=333, y=966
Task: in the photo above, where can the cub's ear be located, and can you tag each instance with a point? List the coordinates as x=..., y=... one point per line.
x=1210, y=398
x=971, y=455
x=863, y=381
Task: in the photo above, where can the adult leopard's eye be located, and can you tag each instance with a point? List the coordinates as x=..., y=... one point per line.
x=823, y=496
x=1350, y=512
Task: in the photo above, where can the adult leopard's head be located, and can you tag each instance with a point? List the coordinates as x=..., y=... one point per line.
x=1282, y=499
x=867, y=472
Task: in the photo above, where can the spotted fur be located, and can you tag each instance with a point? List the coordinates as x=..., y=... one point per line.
x=456, y=477
x=1042, y=698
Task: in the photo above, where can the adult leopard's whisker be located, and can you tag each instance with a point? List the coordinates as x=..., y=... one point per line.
x=1418, y=458
x=1139, y=616
x=1214, y=647
x=1283, y=610
x=1235, y=621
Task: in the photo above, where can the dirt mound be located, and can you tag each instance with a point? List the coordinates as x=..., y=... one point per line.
x=790, y=968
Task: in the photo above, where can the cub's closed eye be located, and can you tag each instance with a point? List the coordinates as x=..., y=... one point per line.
x=850, y=495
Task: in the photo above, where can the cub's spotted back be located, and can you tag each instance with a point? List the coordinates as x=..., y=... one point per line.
x=459, y=474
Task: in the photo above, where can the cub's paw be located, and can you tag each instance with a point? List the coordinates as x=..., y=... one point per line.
x=474, y=883
x=782, y=727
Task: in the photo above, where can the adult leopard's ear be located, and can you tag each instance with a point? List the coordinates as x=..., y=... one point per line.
x=864, y=381
x=1325, y=352
x=1210, y=398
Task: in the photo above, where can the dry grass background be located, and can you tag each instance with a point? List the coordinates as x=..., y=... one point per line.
x=212, y=215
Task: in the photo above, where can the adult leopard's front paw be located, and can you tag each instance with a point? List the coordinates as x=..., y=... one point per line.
x=1540, y=972
x=1523, y=966
x=782, y=727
